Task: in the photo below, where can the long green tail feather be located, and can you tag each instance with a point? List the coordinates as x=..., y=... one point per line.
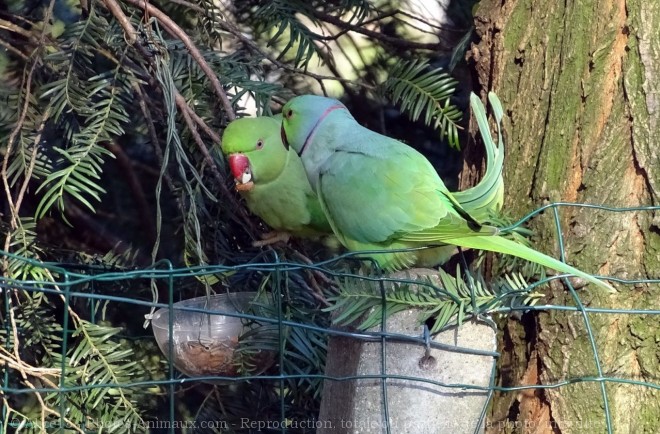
x=502, y=245
x=485, y=198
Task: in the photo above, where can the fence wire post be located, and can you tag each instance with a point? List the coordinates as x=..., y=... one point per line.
x=383, y=350
x=5, y=380
x=280, y=338
x=587, y=323
x=73, y=284
x=170, y=349
x=65, y=342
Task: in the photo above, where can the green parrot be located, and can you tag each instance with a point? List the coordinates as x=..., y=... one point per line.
x=285, y=201
x=272, y=180
x=380, y=194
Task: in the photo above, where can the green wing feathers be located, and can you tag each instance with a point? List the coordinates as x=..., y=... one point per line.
x=372, y=198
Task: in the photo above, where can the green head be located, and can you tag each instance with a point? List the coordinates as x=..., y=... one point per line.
x=302, y=115
x=254, y=149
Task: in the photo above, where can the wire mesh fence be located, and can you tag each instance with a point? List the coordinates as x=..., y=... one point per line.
x=65, y=393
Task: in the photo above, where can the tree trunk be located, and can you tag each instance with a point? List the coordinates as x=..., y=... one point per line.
x=580, y=83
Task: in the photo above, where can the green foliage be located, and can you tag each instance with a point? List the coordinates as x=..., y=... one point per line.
x=282, y=16
x=420, y=91
x=23, y=244
x=452, y=300
x=38, y=331
x=95, y=357
x=98, y=100
x=291, y=34
x=98, y=358
x=107, y=170
x=304, y=349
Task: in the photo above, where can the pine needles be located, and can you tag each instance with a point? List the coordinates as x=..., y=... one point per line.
x=451, y=300
x=108, y=127
x=420, y=91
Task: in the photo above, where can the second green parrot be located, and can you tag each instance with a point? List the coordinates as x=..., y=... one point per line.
x=380, y=194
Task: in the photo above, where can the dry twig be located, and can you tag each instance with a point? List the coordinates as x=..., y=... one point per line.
x=186, y=111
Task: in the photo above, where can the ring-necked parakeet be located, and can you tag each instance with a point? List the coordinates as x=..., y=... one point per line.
x=272, y=179
x=380, y=194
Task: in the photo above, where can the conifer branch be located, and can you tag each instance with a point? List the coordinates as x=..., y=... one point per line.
x=390, y=40
x=255, y=48
x=173, y=29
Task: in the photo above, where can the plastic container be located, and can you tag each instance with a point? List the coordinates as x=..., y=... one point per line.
x=207, y=344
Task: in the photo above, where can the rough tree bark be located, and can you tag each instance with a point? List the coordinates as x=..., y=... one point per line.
x=580, y=81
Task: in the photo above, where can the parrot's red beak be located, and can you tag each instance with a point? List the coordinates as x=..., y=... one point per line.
x=285, y=142
x=239, y=165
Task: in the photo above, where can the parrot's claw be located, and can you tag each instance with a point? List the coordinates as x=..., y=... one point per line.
x=271, y=238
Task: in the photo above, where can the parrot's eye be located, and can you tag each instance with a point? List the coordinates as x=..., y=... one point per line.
x=289, y=113
x=260, y=144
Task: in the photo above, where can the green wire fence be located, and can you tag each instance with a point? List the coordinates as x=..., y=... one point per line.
x=77, y=285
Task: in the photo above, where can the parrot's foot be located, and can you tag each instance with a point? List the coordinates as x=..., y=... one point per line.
x=271, y=238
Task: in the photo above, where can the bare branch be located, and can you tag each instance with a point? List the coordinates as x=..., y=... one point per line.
x=253, y=46
x=14, y=50
x=189, y=5
x=390, y=40
x=192, y=126
x=189, y=115
x=363, y=23
x=8, y=25
x=198, y=120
